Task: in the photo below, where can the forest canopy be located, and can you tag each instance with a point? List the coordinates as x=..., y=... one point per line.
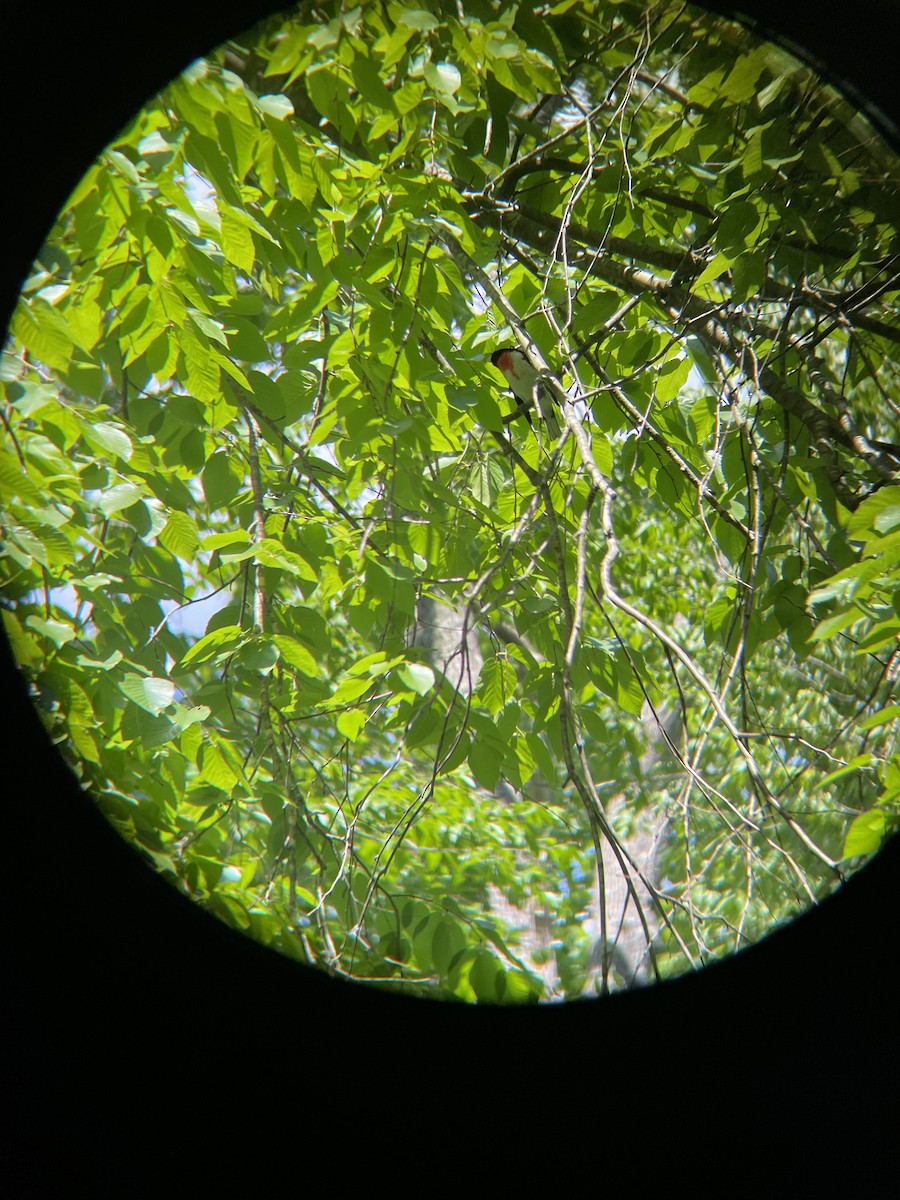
x=488, y=696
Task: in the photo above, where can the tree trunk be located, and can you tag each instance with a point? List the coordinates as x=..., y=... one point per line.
x=452, y=644
x=630, y=932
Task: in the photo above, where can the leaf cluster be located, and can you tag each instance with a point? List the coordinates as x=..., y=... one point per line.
x=250, y=426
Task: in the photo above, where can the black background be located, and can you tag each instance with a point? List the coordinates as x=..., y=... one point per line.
x=145, y=1049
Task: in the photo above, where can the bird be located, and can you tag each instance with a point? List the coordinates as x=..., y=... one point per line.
x=524, y=381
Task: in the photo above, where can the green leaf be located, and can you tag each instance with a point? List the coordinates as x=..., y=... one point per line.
x=443, y=77
x=671, y=379
x=44, y=332
x=58, y=633
x=196, y=714
x=720, y=263
x=420, y=678
x=237, y=240
x=84, y=742
x=374, y=664
x=274, y=105
x=485, y=761
x=890, y=713
x=222, y=641
x=524, y=761
x=521, y=988
x=202, y=373
x=148, y=692
x=741, y=81
x=748, y=276
x=14, y=481
x=221, y=481
x=859, y=763
x=236, y=538
x=352, y=722
x=739, y=226
x=271, y=553
x=448, y=941
x=296, y=655
x=117, y=498
x=207, y=326
x=488, y=979
x=180, y=535
x=215, y=769
x=866, y=833
x=246, y=342
x=346, y=692
x=888, y=518
x=371, y=85
x=417, y=18
x=497, y=683
x=257, y=653
x=615, y=676
x=267, y=394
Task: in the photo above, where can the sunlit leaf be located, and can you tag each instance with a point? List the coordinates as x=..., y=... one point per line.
x=866, y=834
x=152, y=694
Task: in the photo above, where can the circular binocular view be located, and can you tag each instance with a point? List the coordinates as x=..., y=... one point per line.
x=451, y=491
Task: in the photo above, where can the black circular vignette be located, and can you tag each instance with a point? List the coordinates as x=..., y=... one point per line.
x=145, y=1045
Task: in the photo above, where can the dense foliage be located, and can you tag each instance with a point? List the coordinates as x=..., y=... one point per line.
x=250, y=377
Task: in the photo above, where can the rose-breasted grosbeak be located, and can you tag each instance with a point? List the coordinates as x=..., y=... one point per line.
x=525, y=384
